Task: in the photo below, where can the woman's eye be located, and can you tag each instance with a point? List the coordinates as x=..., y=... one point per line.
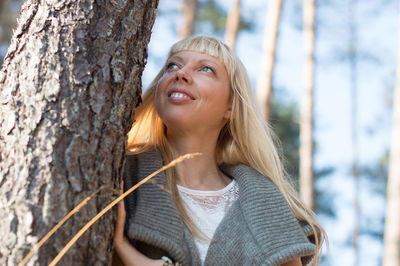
x=207, y=69
x=172, y=66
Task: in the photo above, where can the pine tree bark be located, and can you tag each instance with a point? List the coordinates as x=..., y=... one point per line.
x=69, y=86
x=391, y=253
x=306, y=115
x=189, y=12
x=232, y=25
x=264, y=85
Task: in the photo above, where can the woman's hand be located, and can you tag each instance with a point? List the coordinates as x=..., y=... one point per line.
x=119, y=226
x=127, y=253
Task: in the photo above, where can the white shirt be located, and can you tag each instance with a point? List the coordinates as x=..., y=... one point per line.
x=206, y=208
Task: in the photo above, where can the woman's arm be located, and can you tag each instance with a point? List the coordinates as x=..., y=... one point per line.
x=127, y=253
x=294, y=262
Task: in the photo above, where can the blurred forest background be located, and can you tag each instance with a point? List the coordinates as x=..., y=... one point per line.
x=325, y=75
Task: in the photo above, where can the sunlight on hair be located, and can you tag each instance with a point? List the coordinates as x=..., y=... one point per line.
x=245, y=139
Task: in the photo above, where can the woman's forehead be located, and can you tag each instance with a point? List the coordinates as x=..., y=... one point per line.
x=187, y=54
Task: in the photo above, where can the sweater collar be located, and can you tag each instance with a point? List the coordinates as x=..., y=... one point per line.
x=156, y=213
x=155, y=204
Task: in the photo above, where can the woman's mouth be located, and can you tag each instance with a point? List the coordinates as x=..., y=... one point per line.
x=179, y=95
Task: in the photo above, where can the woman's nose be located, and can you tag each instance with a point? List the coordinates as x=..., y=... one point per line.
x=182, y=75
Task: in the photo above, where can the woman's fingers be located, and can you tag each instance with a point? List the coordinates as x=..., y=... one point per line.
x=128, y=254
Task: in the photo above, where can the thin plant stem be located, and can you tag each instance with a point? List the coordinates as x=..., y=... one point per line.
x=114, y=202
x=58, y=225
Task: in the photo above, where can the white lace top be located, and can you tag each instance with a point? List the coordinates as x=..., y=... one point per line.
x=206, y=209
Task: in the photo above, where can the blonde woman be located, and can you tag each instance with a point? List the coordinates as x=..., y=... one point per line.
x=230, y=206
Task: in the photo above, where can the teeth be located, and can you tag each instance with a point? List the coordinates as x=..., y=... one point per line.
x=179, y=95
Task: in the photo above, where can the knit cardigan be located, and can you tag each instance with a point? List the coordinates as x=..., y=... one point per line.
x=258, y=229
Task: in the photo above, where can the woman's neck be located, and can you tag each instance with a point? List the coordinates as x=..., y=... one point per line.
x=201, y=172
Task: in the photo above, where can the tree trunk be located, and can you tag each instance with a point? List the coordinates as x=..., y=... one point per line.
x=189, y=12
x=391, y=254
x=232, y=25
x=306, y=116
x=264, y=85
x=69, y=86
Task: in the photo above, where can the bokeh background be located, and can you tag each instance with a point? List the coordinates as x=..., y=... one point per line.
x=355, y=65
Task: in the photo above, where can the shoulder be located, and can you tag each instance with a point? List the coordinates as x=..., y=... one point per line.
x=151, y=153
x=140, y=165
x=269, y=216
x=143, y=162
x=252, y=182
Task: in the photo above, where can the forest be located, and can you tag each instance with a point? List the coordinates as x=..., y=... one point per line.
x=326, y=74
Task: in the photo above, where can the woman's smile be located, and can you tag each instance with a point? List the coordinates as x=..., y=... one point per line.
x=179, y=95
x=194, y=92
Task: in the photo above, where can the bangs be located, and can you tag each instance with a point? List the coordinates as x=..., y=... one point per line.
x=206, y=45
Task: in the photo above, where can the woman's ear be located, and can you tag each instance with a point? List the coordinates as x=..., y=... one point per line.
x=228, y=113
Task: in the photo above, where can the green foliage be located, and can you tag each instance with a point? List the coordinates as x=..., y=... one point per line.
x=284, y=121
x=377, y=173
x=324, y=198
x=9, y=11
x=212, y=14
x=209, y=11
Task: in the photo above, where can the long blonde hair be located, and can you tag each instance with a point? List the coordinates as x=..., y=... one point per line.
x=245, y=139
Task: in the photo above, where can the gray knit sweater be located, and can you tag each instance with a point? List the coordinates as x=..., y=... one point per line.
x=258, y=229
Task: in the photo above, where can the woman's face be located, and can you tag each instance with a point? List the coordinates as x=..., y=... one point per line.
x=193, y=94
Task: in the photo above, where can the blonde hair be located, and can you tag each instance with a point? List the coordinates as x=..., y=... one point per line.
x=245, y=139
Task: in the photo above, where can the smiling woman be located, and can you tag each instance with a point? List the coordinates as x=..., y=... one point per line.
x=192, y=97
x=231, y=206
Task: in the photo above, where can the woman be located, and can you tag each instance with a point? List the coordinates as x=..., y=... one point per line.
x=230, y=206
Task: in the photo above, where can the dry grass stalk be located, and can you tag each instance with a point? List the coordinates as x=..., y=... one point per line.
x=114, y=202
x=58, y=225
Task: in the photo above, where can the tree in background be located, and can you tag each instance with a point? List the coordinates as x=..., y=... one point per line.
x=69, y=86
x=306, y=115
x=232, y=25
x=210, y=13
x=8, y=13
x=189, y=13
x=353, y=63
x=212, y=19
x=264, y=85
x=8, y=22
x=391, y=256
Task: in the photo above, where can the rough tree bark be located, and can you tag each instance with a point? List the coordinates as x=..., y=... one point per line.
x=189, y=12
x=264, y=85
x=391, y=251
x=69, y=86
x=232, y=25
x=306, y=115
